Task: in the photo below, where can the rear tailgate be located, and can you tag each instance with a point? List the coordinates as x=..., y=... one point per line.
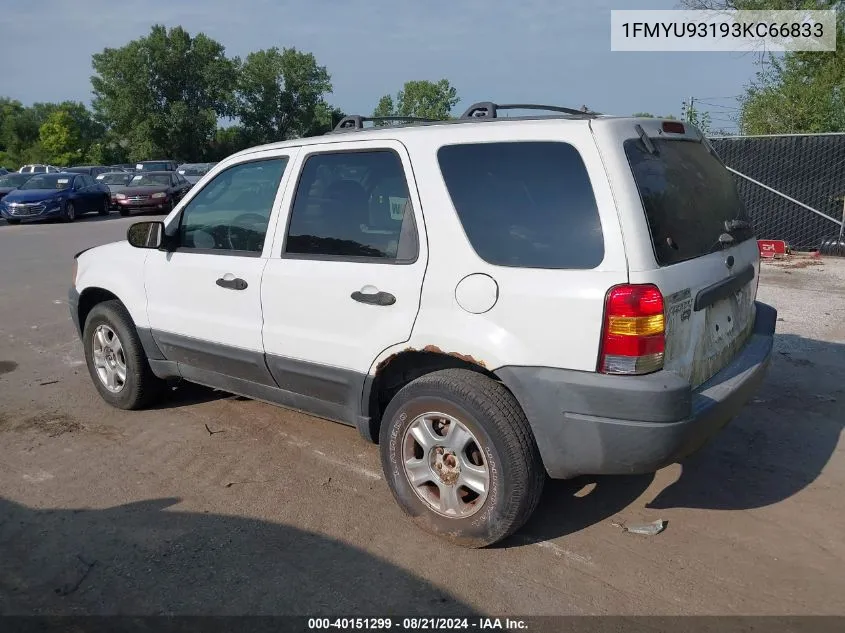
x=686, y=230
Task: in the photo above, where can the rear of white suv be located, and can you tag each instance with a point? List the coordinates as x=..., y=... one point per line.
x=684, y=344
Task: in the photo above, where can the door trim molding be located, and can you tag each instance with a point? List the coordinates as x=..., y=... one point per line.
x=333, y=393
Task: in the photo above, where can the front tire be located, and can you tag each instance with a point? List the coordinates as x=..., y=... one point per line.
x=105, y=208
x=70, y=212
x=13, y=221
x=116, y=359
x=123, y=212
x=460, y=458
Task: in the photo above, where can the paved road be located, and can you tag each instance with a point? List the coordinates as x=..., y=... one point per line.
x=215, y=504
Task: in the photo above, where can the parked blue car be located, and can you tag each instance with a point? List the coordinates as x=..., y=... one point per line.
x=55, y=195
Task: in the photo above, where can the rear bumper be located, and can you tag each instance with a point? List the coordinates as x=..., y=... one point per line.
x=589, y=423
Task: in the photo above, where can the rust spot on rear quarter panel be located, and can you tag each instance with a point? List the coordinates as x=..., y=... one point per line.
x=387, y=360
x=431, y=349
x=464, y=357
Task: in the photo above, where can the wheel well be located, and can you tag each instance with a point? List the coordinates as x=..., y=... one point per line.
x=88, y=299
x=399, y=370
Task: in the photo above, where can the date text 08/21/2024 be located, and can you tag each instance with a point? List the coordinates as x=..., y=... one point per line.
x=417, y=624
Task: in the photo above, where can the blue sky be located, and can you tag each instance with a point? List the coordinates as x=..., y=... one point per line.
x=546, y=51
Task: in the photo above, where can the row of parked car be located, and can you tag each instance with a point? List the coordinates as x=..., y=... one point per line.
x=37, y=192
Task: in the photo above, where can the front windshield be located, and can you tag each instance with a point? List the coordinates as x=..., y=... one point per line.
x=14, y=180
x=114, y=179
x=48, y=181
x=151, y=180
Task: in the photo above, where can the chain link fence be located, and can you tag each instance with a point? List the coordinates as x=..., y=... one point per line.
x=792, y=185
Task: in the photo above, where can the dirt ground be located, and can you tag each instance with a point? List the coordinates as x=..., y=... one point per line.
x=214, y=504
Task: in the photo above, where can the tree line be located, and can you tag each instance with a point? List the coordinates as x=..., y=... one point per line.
x=165, y=95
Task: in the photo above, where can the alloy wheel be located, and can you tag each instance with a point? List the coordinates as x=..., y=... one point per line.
x=445, y=465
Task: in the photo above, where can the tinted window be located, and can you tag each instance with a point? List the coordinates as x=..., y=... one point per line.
x=153, y=166
x=687, y=194
x=87, y=181
x=231, y=212
x=527, y=204
x=353, y=204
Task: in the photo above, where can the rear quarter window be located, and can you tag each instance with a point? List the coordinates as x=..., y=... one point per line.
x=525, y=204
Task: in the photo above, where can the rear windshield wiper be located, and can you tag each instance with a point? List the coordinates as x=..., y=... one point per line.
x=737, y=225
x=725, y=240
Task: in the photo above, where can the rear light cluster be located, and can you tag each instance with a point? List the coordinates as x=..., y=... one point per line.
x=634, y=334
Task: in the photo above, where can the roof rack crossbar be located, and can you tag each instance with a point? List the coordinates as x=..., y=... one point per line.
x=356, y=121
x=489, y=110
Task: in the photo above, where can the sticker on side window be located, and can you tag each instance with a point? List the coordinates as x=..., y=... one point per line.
x=63, y=181
x=397, y=207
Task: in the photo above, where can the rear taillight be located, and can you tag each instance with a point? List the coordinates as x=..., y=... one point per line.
x=634, y=334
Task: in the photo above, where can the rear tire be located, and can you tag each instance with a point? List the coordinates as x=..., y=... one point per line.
x=496, y=454
x=138, y=387
x=10, y=221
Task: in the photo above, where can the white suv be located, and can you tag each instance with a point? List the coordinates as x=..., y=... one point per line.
x=492, y=300
x=38, y=169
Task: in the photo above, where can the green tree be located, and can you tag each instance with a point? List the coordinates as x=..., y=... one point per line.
x=61, y=139
x=19, y=129
x=649, y=115
x=281, y=94
x=164, y=93
x=422, y=98
x=67, y=132
x=227, y=141
x=799, y=92
x=793, y=92
x=698, y=118
x=325, y=119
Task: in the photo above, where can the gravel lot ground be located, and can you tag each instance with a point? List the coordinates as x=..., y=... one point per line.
x=220, y=505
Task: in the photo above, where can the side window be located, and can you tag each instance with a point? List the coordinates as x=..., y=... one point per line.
x=87, y=180
x=353, y=205
x=79, y=182
x=525, y=204
x=231, y=213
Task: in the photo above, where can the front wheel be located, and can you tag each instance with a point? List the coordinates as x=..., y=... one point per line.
x=105, y=208
x=11, y=221
x=460, y=457
x=124, y=212
x=70, y=212
x=116, y=359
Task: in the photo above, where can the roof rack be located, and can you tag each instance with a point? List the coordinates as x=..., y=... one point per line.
x=356, y=121
x=490, y=110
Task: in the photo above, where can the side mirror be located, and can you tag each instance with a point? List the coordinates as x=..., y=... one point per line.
x=146, y=235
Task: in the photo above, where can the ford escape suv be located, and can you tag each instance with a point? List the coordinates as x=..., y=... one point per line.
x=493, y=300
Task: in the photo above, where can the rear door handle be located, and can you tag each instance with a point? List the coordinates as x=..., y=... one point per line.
x=377, y=298
x=233, y=284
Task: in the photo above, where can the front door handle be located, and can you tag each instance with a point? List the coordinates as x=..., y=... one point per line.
x=376, y=298
x=233, y=284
